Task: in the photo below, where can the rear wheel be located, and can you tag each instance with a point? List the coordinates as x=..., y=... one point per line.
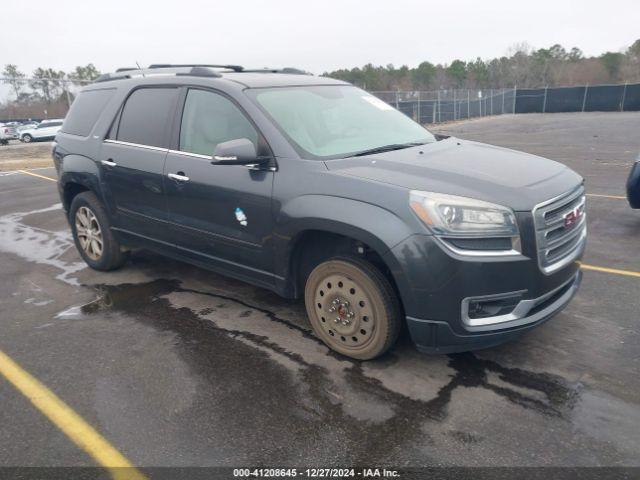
x=26, y=138
x=352, y=307
x=92, y=233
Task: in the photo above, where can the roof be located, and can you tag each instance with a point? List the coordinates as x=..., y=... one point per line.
x=249, y=78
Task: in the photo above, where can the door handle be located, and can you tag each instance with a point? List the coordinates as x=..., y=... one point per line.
x=180, y=177
x=109, y=163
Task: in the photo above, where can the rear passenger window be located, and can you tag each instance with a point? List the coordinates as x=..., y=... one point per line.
x=84, y=112
x=209, y=119
x=146, y=116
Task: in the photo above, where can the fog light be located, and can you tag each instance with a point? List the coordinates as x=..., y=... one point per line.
x=493, y=307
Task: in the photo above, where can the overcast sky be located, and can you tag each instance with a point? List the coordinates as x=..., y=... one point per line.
x=316, y=35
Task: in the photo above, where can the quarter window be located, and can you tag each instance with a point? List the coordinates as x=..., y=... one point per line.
x=85, y=110
x=146, y=116
x=209, y=119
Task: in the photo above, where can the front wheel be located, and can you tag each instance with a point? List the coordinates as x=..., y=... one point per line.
x=92, y=233
x=26, y=138
x=352, y=307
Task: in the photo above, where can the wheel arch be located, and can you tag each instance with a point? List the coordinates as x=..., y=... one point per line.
x=78, y=174
x=338, y=226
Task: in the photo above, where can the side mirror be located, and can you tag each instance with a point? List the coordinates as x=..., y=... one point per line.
x=241, y=151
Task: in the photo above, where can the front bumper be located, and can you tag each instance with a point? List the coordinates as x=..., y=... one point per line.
x=438, y=337
x=438, y=288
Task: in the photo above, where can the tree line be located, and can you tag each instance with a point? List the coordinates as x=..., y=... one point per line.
x=522, y=66
x=46, y=92
x=49, y=92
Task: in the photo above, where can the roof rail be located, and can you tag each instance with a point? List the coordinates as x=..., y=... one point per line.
x=235, y=68
x=193, y=70
x=289, y=70
x=124, y=73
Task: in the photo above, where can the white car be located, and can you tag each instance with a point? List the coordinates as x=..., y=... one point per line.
x=46, y=130
x=25, y=126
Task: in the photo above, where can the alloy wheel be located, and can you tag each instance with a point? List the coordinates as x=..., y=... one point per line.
x=89, y=233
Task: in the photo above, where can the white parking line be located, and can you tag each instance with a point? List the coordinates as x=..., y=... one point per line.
x=15, y=172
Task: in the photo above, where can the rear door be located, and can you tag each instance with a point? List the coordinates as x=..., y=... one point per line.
x=132, y=162
x=49, y=130
x=43, y=130
x=54, y=128
x=221, y=213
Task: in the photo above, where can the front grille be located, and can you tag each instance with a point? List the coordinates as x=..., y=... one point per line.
x=561, y=229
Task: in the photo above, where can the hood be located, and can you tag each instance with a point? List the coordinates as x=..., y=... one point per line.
x=459, y=167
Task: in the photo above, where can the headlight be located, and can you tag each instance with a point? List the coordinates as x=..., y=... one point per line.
x=450, y=215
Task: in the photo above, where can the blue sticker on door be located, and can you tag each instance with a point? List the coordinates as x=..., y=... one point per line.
x=241, y=217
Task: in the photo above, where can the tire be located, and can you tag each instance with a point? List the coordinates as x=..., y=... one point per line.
x=352, y=307
x=26, y=138
x=91, y=227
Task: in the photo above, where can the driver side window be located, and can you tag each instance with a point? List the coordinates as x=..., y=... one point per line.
x=209, y=119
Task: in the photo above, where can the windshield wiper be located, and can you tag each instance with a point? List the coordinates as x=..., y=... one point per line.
x=386, y=148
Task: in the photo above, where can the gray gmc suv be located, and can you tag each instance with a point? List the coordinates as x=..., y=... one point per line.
x=313, y=188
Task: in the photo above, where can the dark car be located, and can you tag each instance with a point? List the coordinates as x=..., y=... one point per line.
x=315, y=189
x=633, y=185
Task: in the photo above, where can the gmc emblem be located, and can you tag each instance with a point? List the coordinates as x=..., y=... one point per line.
x=571, y=218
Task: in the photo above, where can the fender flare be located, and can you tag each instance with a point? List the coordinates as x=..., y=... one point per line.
x=80, y=170
x=378, y=228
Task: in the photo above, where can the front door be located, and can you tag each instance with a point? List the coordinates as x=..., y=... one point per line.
x=221, y=213
x=132, y=162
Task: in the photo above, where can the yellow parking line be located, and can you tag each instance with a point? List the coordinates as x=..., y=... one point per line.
x=71, y=424
x=614, y=197
x=36, y=175
x=628, y=273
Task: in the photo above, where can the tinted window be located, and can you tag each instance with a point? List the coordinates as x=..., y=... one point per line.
x=52, y=124
x=209, y=119
x=84, y=112
x=146, y=115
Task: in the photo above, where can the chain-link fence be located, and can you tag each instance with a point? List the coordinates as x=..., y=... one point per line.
x=36, y=98
x=586, y=98
x=448, y=105
x=39, y=98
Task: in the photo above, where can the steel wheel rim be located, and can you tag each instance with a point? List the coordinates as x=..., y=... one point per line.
x=89, y=233
x=345, y=312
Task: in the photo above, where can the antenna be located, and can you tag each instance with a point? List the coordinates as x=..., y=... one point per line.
x=139, y=68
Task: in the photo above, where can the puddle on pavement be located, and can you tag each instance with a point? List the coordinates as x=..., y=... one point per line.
x=411, y=401
x=377, y=391
x=225, y=340
x=39, y=245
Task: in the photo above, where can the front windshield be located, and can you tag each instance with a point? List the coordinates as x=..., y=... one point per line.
x=337, y=121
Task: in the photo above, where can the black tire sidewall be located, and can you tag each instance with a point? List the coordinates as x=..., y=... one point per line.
x=27, y=138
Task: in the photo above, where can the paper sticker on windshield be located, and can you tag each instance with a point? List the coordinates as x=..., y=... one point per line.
x=376, y=102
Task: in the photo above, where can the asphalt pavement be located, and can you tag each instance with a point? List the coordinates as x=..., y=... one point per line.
x=178, y=366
